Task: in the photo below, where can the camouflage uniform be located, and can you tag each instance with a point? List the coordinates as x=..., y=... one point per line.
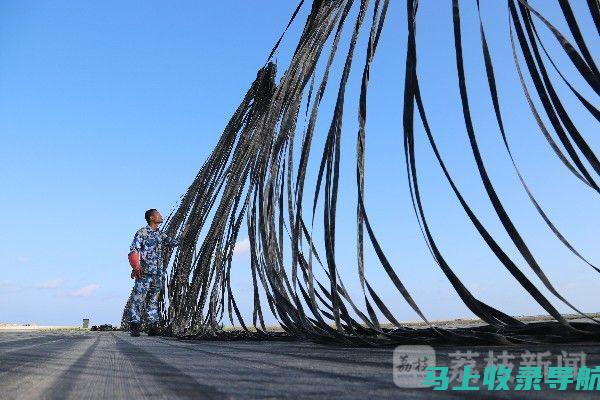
x=149, y=244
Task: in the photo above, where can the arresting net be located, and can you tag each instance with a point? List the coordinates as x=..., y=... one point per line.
x=256, y=179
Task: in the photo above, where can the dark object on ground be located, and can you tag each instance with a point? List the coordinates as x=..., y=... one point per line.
x=106, y=327
x=260, y=169
x=154, y=330
x=134, y=329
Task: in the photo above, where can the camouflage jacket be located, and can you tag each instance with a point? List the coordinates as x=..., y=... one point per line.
x=149, y=244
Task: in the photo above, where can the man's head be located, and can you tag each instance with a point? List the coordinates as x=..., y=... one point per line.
x=154, y=216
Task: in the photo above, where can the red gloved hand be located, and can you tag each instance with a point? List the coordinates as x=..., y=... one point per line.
x=136, y=274
x=134, y=261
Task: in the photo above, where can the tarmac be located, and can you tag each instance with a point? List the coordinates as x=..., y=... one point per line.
x=113, y=365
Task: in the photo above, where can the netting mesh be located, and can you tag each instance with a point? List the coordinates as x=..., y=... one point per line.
x=256, y=177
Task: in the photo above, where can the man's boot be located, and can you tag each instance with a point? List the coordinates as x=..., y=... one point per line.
x=153, y=330
x=134, y=329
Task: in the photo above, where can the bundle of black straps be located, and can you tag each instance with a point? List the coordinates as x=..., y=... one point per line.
x=255, y=177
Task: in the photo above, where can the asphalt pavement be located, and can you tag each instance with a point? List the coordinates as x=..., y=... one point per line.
x=113, y=365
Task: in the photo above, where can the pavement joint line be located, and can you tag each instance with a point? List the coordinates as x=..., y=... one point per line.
x=320, y=373
x=161, y=367
x=2, y=352
x=177, y=383
x=44, y=357
x=64, y=383
x=375, y=364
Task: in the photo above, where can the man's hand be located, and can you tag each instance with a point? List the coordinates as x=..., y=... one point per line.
x=136, y=273
x=134, y=261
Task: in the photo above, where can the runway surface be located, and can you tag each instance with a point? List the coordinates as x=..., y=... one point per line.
x=112, y=365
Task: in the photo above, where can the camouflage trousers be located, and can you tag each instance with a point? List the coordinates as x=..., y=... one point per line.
x=145, y=295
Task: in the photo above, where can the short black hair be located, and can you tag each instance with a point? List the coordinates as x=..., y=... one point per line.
x=149, y=213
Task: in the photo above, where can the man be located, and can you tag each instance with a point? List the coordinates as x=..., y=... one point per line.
x=146, y=259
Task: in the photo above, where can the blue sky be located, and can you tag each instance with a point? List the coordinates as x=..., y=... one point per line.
x=109, y=108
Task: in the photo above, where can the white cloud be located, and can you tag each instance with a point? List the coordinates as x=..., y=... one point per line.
x=241, y=247
x=22, y=259
x=85, y=291
x=50, y=284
